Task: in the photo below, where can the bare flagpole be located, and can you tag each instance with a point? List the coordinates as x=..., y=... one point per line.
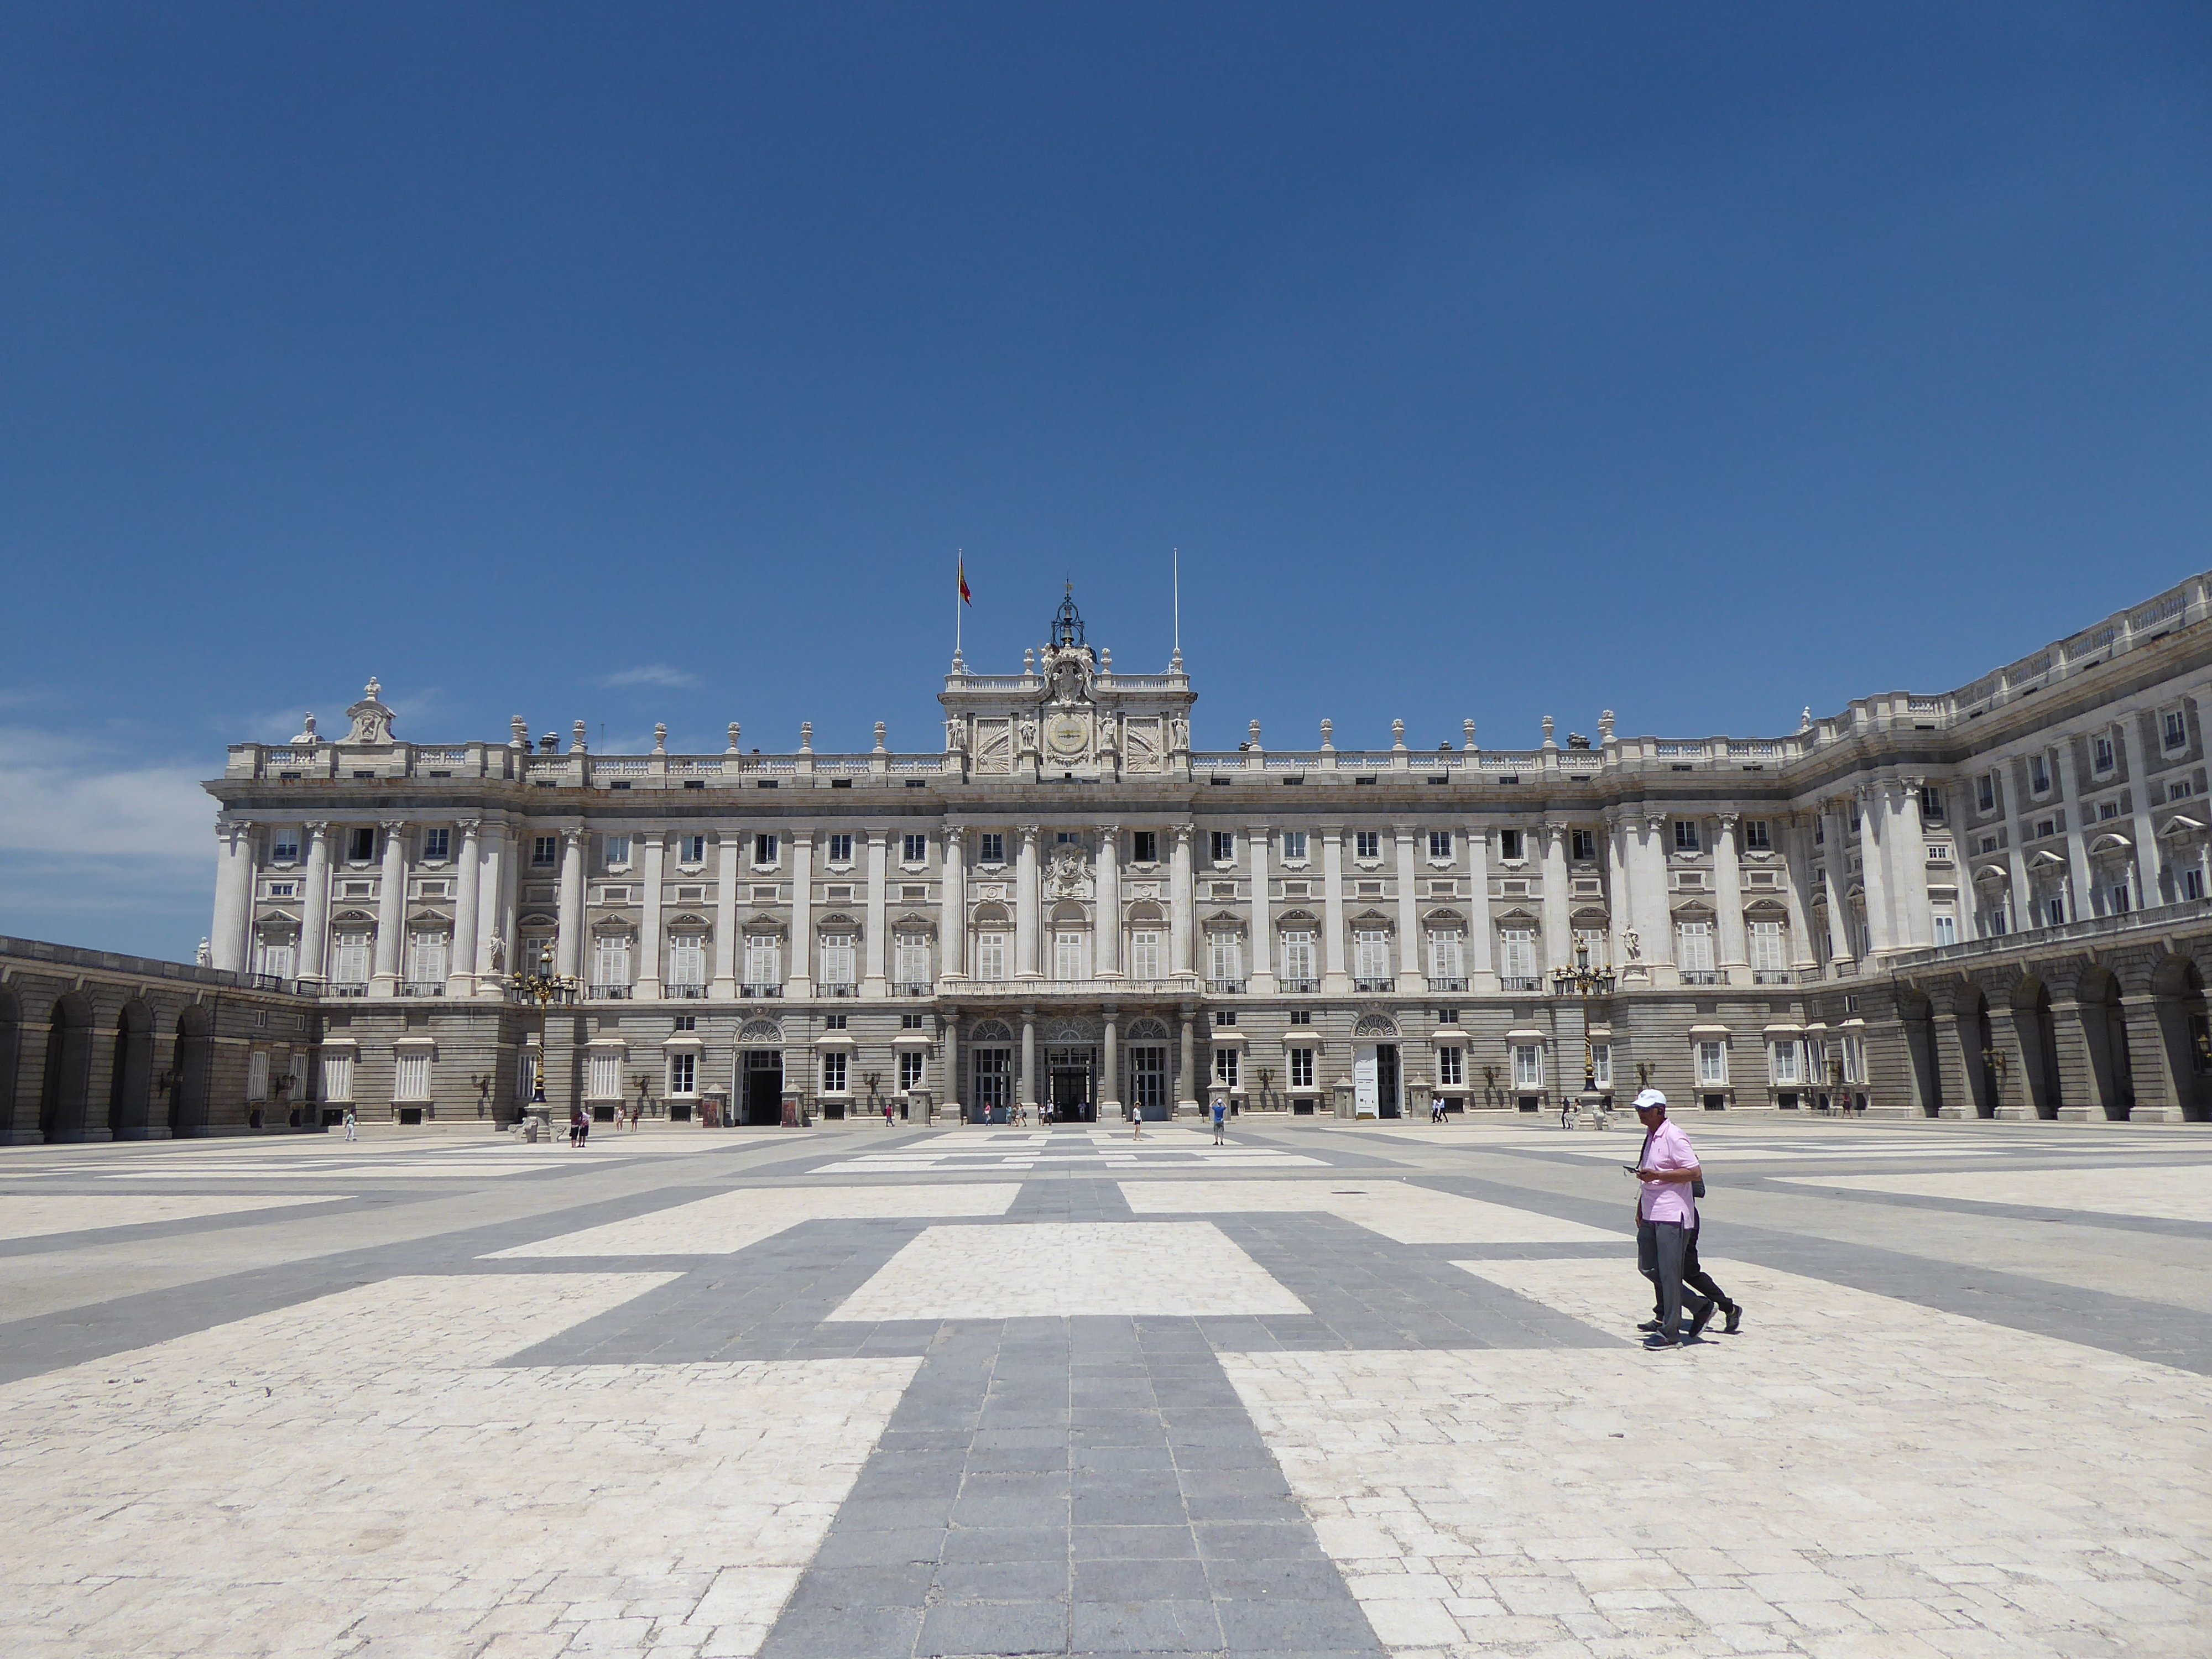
x=960, y=570
x=1177, y=555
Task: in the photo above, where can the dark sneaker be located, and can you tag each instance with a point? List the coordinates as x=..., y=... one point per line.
x=1735, y=1318
x=1648, y=1325
x=1704, y=1317
x=1661, y=1339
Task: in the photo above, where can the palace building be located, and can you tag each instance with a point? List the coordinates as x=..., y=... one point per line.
x=1987, y=902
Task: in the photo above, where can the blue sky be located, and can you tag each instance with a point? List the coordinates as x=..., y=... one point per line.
x=582, y=362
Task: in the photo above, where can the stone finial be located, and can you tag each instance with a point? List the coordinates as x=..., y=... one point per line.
x=1466, y=736
x=1605, y=725
x=1805, y=719
x=1174, y=662
x=735, y=730
x=518, y=733
x=1328, y=740
x=1252, y=733
x=1105, y=661
x=549, y=743
x=882, y=733
x=806, y=737
x=576, y=744
x=205, y=955
x=1397, y=734
x=1029, y=662
x=659, y=738
x=1548, y=725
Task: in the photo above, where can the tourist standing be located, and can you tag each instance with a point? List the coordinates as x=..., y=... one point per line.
x=351, y=1134
x=1220, y=1120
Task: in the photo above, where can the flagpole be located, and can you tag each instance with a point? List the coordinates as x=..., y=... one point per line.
x=1177, y=555
x=959, y=566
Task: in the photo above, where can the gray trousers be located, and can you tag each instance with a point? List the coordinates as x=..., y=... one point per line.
x=1659, y=1247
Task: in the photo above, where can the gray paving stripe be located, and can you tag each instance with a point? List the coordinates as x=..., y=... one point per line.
x=2161, y=1225
x=1088, y=1485
x=149, y=1232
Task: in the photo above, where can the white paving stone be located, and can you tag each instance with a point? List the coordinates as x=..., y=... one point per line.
x=729, y=1221
x=1395, y=1209
x=1060, y=1269
x=2165, y=1193
x=1852, y=1475
x=354, y=1476
x=37, y=1216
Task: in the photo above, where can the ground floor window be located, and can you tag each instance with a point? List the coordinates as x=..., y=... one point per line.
x=1712, y=1062
x=1451, y=1066
x=910, y=1063
x=1782, y=1062
x=1527, y=1066
x=833, y=1073
x=1601, y=1065
x=1301, y=1068
x=256, y=1075
x=683, y=1074
x=412, y=1076
x=1225, y=1067
x=337, y=1077
x=605, y=1081
x=1854, y=1048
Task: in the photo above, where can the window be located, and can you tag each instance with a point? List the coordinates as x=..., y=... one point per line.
x=1516, y=958
x=1854, y=1048
x=1301, y=1068
x=683, y=1074
x=838, y=959
x=1146, y=960
x=412, y=1075
x=833, y=1073
x=1447, y=956
x=1145, y=846
x=2054, y=911
x=1756, y=836
x=545, y=849
x=840, y=849
x=1298, y=956
x=1067, y=954
x=1931, y=804
x=2175, y=727
x=1451, y=1066
x=2122, y=900
x=1583, y=845
x=1224, y=1017
x=1223, y=843
x=1601, y=1065
x=1685, y=834
x=615, y=849
x=610, y=960
x=911, y=1062
x=1511, y=846
x=604, y=1079
x=1693, y=947
x=1447, y=1016
x=1947, y=928
x=1766, y=953
x=1225, y=1067
x=426, y=959
x=1301, y=1016
x=436, y=845
x=1527, y=1066
x=1712, y=1063
x=284, y=846
x=691, y=849
x=337, y=1077
x=1366, y=844
x=763, y=961
x=1225, y=951
x=1371, y=957
x=913, y=849
x=351, y=959
x=2038, y=774
x=990, y=848
x=2045, y=826
x=1590, y=946
x=766, y=853
x=1294, y=847
x=911, y=1022
x=256, y=1075
x=1989, y=843
x=1067, y=838
x=2100, y=752
x=2108, y=808
x=2192, y=883
x=686, y=962
x=835, y=1022
x=2182, y=789
x=683, y=1023
x=910, y=959
x=1782, y=1061
x=1985, y=792
x=361, y=845
x=990, y=956
x=1440, y=843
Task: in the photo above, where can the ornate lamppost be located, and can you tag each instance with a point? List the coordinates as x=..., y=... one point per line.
x=1997, y=1062
x=1582, y=982
x=538, y=985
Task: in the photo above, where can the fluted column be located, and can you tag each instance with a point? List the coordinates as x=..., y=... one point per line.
x=233, y=894
x=1110, y=1085
x=1907, y=843
x=2134, y=757
x=1619, y=888
x=1106, y=924
x=1263, y=927
x=461, y=970
x=315, y=906
x=502, y=882
x=568, y=949
x=727, y=842
x=1026, y=897
x=952, y=917
x=1558, y=946
x=1182, y=923
x=1653, y=903
x=2082, y=900
x=391, y=909
x=872, y=981
x=1728, y=898
x=1843, y=947
x=1797, y=869
x=649, y=943
x=1334, y=980
x=1411, y=976
x=798, y=979
x=1874, y=864
x=1481, y=961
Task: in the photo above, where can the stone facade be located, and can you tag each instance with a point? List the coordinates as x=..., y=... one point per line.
x=1987, y=902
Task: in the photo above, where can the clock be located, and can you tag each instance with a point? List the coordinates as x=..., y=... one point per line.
x=1066, y=734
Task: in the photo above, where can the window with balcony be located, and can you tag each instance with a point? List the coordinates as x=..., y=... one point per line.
x=1225, y=962
x=687, y=965
x=838, y=969
x=1147, y=959
x=763, y=962
x=910, y=963
x=1301, y=1068
x=2054, y=911
x=1693, y=952
x=1145, y=846
x=610, y=964
x=1447, y=959
x=1370, y=960
x=1946, y=927
x=1516, y=958
x=2189, y=882
x=276, y=958
x=1770, y=963
x=426, y=963
x=1300, y=972
x=990, y=956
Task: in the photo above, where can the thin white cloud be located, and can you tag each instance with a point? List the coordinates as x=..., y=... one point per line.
x=657, y=673
x=72, y=796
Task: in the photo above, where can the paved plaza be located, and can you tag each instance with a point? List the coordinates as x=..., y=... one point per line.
x=1328, y=1390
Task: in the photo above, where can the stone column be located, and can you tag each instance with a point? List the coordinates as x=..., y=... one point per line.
x=315, y=906
x=2081, y=900
x=568, y=954
x=1955, y=1068
x=872, y=981
x=798, y=975
x=1619, y=891
x=234, y=896
x=2015, y=1101
x=1262, y=980
x=727, y=842
x=1796, y=880
x=1842, y=946
x=648, y=943
x=1027, y=879
x=2158, y=1089
x=1728, y=898
x=1905, y=840
x=948, y=1086
x=1874, y=857
x=1652, y=894
x=1106, y=922
x=504, y=873
x=1412, y=976
x=1334, y=981
x=1558, y=927
x=1182, y=922
x=461, y=971
x=391, y=909
x=1029, y=1094
x=1481, y=961
x=952, y=912
x=2134, y=757
x=2023, y=891
x=2076, y=1086
x=1188, y=1083
x=1110, y=1085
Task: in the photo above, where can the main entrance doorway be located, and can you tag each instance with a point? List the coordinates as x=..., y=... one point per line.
x=1148, y=1078
x=1385, y=1079
x=762, y=1082
x=991, y=1083
x=1073, y=1100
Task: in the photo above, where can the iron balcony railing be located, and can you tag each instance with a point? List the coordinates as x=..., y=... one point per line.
x=1701, y=976
x=1226, y=988
x=1447, y=983
x=1370, y=986
x=760, y=990
x=606, y=993
x=686, y=993
x=838, y=990
x=346, y=990
x=911, y=987
x=1300, y=987
x=1519, y=982
x=1773, y=976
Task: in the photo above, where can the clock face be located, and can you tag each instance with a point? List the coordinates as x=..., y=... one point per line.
x=1066, y=733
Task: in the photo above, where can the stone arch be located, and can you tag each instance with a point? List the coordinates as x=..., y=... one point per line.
x=2105, y=1033
x=759, y=1032
x=1068, y=912
x=192, y=1072
x=1978, y=1038
x=1147, y=913
x=12, y=1058
x=1148, y=1029
x=130, y=1079
x=68, y=1079
x=991, y=1030
x=1918, y=1016
x=2039, y=1044
x=2176, y=988
x=993, y=915
x=1375, y=1026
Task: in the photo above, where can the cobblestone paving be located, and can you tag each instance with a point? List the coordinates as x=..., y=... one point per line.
x=866, y=1392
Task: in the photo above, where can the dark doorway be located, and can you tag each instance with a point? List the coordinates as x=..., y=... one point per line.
x=192, y=1074
x=763, y=1087
x=1148, y=1078
x=991, y=1083
x=1072, y=1098
x=69, y=1070
x=11, y=1056
x=130, y=1085
x=1386, y=1079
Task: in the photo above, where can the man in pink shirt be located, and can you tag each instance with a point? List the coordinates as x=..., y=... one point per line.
x=1666, y=1215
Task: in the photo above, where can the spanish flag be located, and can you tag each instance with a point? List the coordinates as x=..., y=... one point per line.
x=966, y=598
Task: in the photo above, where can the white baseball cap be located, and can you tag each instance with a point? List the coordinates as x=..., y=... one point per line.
x=1651, y=1100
